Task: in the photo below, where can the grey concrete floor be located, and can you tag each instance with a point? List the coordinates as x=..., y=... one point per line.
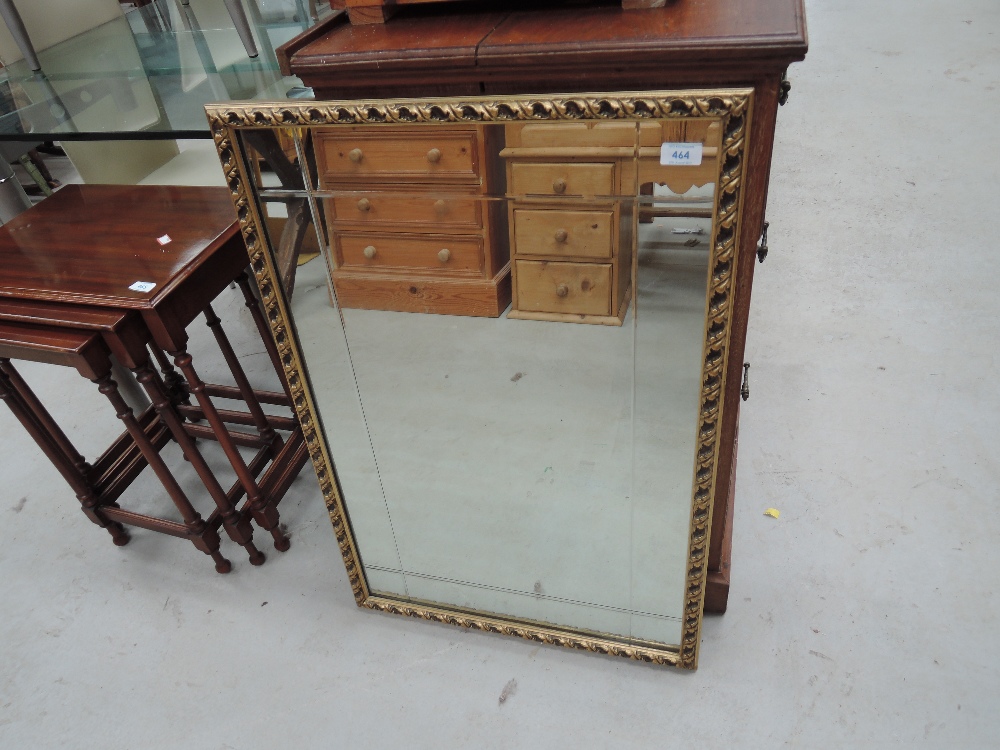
x=864, y=616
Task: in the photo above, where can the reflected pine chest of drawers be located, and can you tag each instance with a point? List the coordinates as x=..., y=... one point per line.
x=411, y=228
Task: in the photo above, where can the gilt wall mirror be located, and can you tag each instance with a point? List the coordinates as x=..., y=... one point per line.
x=505, y=323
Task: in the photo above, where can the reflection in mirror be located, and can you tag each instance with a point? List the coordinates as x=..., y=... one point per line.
x=279, y=162
x=503, y=326
x=151, y=70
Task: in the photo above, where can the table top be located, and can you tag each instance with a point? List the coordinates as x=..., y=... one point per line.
x=89, y=244
x=149, y=73
x=553, y=48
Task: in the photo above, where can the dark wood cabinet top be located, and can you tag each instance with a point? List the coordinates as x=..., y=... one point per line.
x=90, y=243
x=703, y=28
x=428, y=50
x=414, y=39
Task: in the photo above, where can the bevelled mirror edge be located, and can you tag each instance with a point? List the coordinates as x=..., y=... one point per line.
x=733, y=107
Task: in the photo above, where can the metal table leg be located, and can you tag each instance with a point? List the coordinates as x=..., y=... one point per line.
x=239, y=16
x=13, y=20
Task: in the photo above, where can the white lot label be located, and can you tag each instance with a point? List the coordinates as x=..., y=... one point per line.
x=680, y=154
x=164, y=240
x=142, y=286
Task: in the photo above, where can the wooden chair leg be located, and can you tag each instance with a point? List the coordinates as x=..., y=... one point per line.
x=53, y=449
x=237, y=525
x=204, y=537
x=264, y=513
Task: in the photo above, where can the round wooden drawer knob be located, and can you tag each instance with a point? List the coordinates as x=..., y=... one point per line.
x=364, y=205
x=369, y=252
x=355, y=155
x=559, y=185
x=561, y=235
x=434, y=156
x=444, y=255
x=562, y=290
x=440, y=206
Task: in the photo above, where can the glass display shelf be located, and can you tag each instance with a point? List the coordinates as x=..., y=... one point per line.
x=149, y=73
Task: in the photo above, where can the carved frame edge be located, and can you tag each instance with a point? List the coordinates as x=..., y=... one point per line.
x=732, y=106
x=276, y=313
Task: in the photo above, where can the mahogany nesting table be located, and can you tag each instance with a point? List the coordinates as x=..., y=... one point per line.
x=98, y=491
x=97, y=270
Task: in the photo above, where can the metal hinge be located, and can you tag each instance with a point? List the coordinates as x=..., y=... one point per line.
x=745, y=388
x=783, y=88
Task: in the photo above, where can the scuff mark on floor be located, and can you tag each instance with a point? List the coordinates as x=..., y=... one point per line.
x=508, y=690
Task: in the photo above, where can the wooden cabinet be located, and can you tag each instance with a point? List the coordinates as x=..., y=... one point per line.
x=411, y=225
x=684, y=46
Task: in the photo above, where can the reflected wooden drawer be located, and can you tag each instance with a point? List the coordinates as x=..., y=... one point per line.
x=387, y=208
x=560, y=179
x=585, y=234
x=556, y=287
x=541, y=135
x=410, y=251
x=415, y=158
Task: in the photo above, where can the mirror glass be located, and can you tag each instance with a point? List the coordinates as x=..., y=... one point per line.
x=503, y=329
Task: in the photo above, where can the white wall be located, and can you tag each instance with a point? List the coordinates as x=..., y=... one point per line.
x=49, y=22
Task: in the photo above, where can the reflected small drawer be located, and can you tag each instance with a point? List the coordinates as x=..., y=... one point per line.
x=556, y=287
x=435, y=156
x=386, y=208
x=560, y=179
x=581, y=134
x=385, y=251
x=563, y=233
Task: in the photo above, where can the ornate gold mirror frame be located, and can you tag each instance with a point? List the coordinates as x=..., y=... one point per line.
x=731, y=107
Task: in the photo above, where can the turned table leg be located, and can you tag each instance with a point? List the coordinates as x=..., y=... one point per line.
x=45, y=420
x=237, y=525
x=264, y=429
x=57, y=448
x=264, y=513
x=173, y=381
x=201, y=534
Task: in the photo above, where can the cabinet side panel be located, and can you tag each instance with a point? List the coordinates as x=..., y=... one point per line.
x=754, y=202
